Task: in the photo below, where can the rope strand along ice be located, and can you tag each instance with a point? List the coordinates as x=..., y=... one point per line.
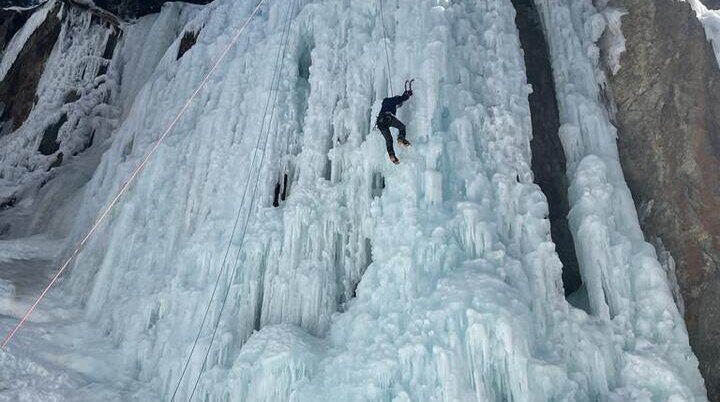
x=263, y=133
x=385, y=39
x=253, y=198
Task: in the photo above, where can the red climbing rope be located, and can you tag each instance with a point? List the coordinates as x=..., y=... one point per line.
x=129, y=180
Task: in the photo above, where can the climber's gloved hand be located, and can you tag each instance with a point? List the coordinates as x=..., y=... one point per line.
x=408, y=93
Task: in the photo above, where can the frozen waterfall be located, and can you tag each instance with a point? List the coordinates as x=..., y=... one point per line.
x=434, y=280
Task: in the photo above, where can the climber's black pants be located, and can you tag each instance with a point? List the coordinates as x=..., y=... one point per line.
x=384, y=122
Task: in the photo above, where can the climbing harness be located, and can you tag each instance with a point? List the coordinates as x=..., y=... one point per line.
x=384, y=119
x=127, y=182
x=263, y=134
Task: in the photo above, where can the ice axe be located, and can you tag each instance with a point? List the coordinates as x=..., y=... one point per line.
x=408, y=85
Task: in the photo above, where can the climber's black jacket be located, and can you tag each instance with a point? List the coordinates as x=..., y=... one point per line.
x=390, y=105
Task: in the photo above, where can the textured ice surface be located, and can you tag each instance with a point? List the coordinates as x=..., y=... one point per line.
x=433, y=280
x=73, y=100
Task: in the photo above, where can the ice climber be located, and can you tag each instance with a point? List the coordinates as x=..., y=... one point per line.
x=387, y=119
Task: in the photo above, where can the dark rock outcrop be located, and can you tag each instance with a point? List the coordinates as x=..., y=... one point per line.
x=712, y=4
x=17, y=3
x=17, y=90
x=49, y=143
x=188, y=41
x=127, y=9
x=137, y=8
x=10, y=23
x=668, y=115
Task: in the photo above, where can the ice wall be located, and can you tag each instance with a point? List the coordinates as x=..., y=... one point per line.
x=432, y=280
x=84, y=85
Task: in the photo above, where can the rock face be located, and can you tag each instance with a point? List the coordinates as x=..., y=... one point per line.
x=712, y=4
x=17, y=89
x=122, y=8
x=137, y=8
x=668, y=100
x=17, y=3
x=10, y=23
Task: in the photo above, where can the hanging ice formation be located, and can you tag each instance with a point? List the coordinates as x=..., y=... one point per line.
x=357, y=280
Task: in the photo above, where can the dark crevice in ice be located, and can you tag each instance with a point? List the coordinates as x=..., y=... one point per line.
x=368, y=260
x=108, y=53
x=257, y=321
x=327, y=170
x=49, y=143
x=7, y=203
x=305, y=60
x=72, y=96
x=348, y=285
x=377, y=185
x=548, y=156
x=302, y=90
x=281, y=191
x=188, y=41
